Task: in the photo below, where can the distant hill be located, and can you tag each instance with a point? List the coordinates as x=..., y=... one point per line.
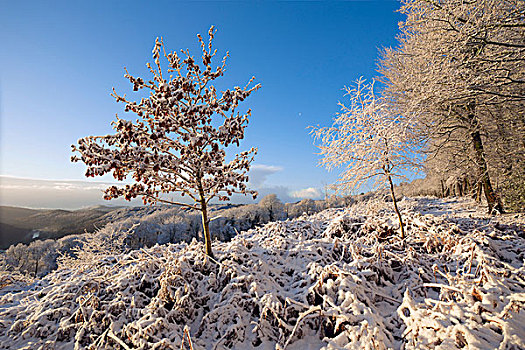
x=20, y=224
x=11, y=214
x=11, y=235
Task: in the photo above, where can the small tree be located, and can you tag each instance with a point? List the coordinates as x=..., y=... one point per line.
x=373, y=143
x=178, y=143
x=273, y=205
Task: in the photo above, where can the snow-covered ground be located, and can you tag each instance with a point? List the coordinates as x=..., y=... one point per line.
x=339, y=279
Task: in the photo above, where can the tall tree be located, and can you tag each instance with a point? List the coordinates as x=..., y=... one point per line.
x=374, y=144
x=460, y=66
x=178, y=143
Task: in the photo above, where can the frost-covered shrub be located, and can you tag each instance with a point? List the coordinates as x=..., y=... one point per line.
x=161, y=226
x=328, y=281
x=230, y=222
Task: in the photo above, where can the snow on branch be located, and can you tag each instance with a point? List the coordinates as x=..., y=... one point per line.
x=368, y=140
x=178, y=142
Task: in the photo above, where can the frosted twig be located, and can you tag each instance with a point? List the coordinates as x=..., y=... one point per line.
x=437, y=285
x=301, y=317
x=118, y=340
x=187, y=334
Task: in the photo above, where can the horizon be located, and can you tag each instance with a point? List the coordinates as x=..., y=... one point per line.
x=88, y=194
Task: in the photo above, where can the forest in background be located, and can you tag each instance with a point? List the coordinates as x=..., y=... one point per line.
x=459, y=70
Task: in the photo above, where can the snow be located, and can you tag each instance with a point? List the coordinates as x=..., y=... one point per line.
x=338, y=279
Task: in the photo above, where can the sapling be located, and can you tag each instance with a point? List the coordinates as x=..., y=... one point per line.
x=178, y=143
x=373, y=144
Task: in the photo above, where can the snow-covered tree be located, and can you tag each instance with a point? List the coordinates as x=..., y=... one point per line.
x=273, y=205
x=15, y=254
x=34, y=259
x=306, y=206
x=460, y=65
x=335, y=201
x=178, y=143
x=374, y=144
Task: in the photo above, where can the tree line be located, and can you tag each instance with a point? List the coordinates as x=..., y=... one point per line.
x=459, y=68
x=448, y=102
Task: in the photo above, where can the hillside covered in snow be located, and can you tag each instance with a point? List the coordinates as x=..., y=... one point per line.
x=338, y=279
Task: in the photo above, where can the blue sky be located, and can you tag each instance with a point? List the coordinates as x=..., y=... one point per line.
x=59, y=61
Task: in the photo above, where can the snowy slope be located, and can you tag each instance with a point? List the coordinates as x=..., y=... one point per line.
x=339, y=279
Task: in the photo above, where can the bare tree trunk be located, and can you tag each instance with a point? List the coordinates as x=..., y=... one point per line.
x=206, y=230
x=492, y=200
x=396, y=208
x=466, y=188
x=205, y=222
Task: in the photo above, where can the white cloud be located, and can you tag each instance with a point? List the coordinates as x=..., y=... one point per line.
x=65, y=194
x=73, y=194
x=260, y=172
x=310, y=192
x=79, y=186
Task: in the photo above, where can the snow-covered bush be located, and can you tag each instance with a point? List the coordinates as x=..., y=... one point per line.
x=334, y=280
